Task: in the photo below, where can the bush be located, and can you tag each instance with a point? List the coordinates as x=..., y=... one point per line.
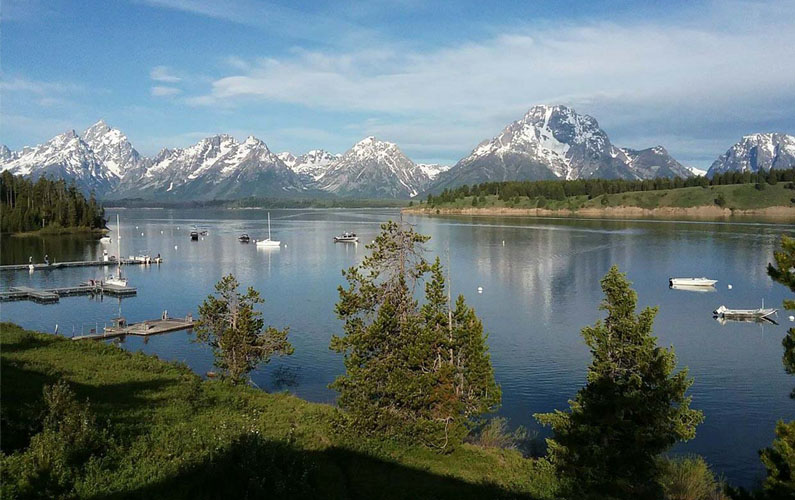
x=494, y=433
x=720, y=200
x=690, y=478
x=760, y=186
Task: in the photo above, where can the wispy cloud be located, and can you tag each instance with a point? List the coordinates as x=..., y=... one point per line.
x=654, y=76
x=38, y=87
x=163, y=91
x=163, y=74
x=275, y=18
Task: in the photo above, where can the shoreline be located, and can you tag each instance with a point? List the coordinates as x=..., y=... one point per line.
x=705, y=212
x=57, y=232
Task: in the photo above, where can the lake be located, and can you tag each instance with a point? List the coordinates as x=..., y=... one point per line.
x=540, y=286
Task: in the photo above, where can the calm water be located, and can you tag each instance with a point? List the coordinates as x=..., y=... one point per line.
x=540, y=280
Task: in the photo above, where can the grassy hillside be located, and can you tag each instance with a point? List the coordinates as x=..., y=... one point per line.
x=171, y=435
x=735, y=197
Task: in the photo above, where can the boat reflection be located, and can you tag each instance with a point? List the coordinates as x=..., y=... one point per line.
x=760, y=321
x=693, y=288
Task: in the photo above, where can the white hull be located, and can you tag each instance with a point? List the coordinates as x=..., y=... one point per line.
x=724, y=312
x=337, y=239
x=268, y=243
x=116, y=281
x=105, y=240
x=690, y=282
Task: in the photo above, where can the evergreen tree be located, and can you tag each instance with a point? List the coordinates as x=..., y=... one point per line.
x=417, y=372
x=632, y=408
x=234, y=329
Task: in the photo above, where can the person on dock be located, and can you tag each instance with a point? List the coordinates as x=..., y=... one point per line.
x=46, y=259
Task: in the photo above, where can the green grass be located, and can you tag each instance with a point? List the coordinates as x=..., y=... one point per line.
x=737, y=197
x=176, y=436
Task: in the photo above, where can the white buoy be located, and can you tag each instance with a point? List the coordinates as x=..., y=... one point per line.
x=729, y=287
x=142, y=234
x=503, y=242
x=177, y=228
x=791, y=318
x=136, y=227
x=161, y=231
x=480, y=289
x=175, y=247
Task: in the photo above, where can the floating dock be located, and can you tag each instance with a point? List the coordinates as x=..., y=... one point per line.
x=142, y=329
x=52, y=295
x=79, y=263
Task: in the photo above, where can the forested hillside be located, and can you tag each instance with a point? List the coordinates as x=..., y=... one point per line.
x=45, y=204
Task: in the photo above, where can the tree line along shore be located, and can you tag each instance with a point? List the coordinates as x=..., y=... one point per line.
x=734, y=193
x=414, y=416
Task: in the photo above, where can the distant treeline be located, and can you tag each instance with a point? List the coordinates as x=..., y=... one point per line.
x=256, y=202
x=29, y=206
x=562, y=189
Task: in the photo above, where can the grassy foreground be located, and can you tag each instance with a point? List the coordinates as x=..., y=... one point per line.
x=176, y=436
x=735, y=198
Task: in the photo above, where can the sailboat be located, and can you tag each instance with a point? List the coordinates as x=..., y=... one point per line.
x=268, y=242
x=118, y=280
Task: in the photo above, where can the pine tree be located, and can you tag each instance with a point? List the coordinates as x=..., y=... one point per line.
x=234, y=329
x=632, y=408
x=411, y=371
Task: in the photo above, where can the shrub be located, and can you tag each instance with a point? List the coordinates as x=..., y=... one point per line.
x=494, y=433
x=690, y=478
x=720, y=200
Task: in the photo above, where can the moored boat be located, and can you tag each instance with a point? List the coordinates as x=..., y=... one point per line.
x=761, y=313
x=244, y=238
x=268, y=242
x=691, y=282
x=346, y=237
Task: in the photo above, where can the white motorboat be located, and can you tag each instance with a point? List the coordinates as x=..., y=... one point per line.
x=117, y=280
x=105, y=240
x=346, y=237
x=761, y=313
x=268, y=242
x=690, y=282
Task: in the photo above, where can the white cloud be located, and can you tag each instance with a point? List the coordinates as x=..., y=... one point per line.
x=162, y=91
x=163, y=74
x=664, y=78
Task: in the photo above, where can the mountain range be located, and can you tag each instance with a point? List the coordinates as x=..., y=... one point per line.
x=548, y=142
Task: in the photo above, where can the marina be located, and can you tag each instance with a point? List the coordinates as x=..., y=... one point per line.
x=52, y=295
x=141, y=260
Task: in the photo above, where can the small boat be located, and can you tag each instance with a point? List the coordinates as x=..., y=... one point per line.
x=105, y=240
x=194, y=234
x=761, y=313
x=244, y=238
x=691, y=281
x=268, y=242
x=346, y=237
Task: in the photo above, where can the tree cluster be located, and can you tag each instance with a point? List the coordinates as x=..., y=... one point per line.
x=415, y=371
x=28, y=205
x=562, y=189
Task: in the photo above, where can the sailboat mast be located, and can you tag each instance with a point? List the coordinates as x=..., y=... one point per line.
x=118, y=241
x=269, y=225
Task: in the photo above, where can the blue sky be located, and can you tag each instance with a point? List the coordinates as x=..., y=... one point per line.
x=434, y=77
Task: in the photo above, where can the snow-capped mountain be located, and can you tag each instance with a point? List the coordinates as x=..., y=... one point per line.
x=654, y=162
x=6, y=154
x=112, y=148
x=555, y=142
x=310, y=166
x=65, y=156
x=217, y=167
x=757, y=152
x=432, y=170
x=374, y=169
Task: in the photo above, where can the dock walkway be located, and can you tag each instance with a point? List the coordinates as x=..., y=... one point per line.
x=143, y=328
x=52, y=295
x=78, y=263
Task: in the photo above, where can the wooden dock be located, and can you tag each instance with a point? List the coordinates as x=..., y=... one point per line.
x=78, y=263
x=52, y=295
x=142, y=329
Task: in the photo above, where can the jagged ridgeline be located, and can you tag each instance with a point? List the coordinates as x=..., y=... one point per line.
x=46, y=204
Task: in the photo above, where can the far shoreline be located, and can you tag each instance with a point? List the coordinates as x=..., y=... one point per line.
x=701, y=213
